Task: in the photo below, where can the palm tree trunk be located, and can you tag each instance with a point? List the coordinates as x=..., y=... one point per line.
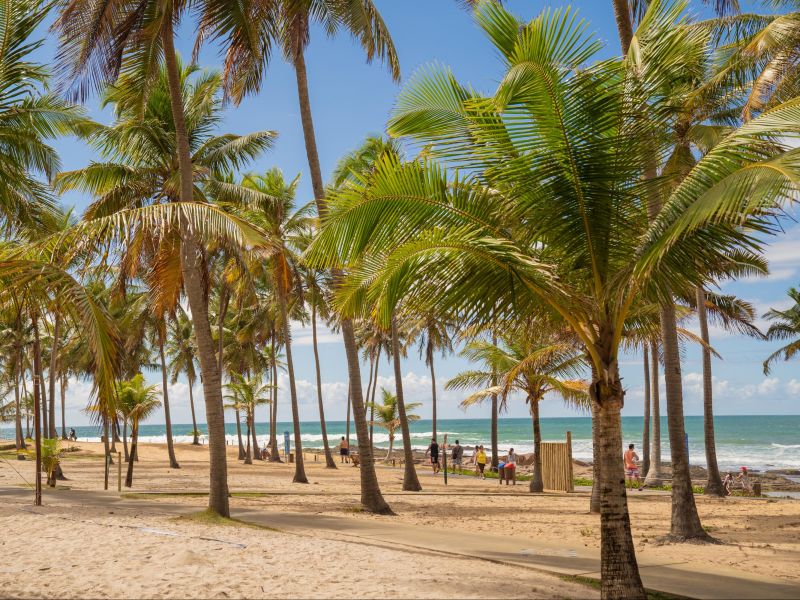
x=537, y=484
x=52, y=374
x=433, y=396
x=646, y=424
x=63, y=392
x=685, y=519
x=173, y=463
x=410, y=479
x=371, y=497
x=655, y=475
x=192, y=268
x=594, y=500
x=125, y=439
x=714, y=482
x=37, y=498
x=134, y=443
x=347, y=421
x=106, y=451
x=248, y=457
x=367, y=396
x=299, y=467
x=275, y=455
x=391, y=446
x=20, y=438
x=329, y=462
x=619, y=571
x=195, y=433
x=42, y=397
x=495, y=455
x=238, y=418
x=622, y=14
x=253, y=432
x=372, y=397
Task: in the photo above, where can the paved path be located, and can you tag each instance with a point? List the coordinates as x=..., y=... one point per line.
x=678, y=579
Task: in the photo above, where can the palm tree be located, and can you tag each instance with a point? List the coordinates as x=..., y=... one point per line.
x=246, y=394
x=785, y=326
x=273, y=211
x=553, y=214
x=530, y=363
x=183, y=359
x=137, y=401
x=389, y=416
x=126, y=45
x=248, y=50
x=410, y=480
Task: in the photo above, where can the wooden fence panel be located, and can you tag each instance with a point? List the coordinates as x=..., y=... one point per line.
x=557, y=465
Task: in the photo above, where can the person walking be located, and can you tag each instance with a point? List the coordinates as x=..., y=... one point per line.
x=457, y=456
x=632, y=467
x=480, y=461
x=344, y=451
x=433, y=451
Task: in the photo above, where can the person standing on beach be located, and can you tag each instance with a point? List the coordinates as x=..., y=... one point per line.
x=744, y=479
x=344, y=451
x=458, y=454
x=511, y=467
x=433, y=450
x=632, y=467
x=480, y=460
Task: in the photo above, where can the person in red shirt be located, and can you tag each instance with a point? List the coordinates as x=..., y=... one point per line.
x=632, y=467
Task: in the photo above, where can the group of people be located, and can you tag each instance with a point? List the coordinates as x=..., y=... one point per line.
x=479, y=460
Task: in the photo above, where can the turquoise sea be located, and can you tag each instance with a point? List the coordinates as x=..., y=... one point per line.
x=758, y=442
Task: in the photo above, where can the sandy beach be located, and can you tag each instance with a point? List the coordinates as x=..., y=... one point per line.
x=134, y=552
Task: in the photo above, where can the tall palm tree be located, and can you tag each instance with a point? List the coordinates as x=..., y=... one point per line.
x=183, y=359
x=553, y=214
x=246, y=394
x=287, y=24
x=137, y=401
x=99, y=46
x=388, y=416
x=410, y=480
x=530, y=363
x=785, y=326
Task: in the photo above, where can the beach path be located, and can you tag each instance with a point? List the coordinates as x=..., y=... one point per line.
x=685, y=579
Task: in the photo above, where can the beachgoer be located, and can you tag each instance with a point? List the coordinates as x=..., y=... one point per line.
x=72, y=435
x=265, y=452
x=511, y=467
x=632, y=467
x=433, y=451
x=457, y=454
x=727, y=483
x=744, y=479
x=344, y=451
x=501, y=471
x=480, y=460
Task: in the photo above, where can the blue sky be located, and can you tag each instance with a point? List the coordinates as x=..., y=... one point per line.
x=351, y=100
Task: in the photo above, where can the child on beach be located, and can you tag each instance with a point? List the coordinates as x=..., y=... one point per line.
x=727, y=483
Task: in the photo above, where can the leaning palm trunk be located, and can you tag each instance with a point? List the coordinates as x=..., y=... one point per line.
x=537, y=483
x=594, y=500
x=495, y=455
x=248, y=456
x=685, y=520
x=192, y=269
x=52, y=433
x=410, y=479
x=619, y=570
x=20, y=441
x=125, y=439
x=195, y=433
x=714, y=482
x=329, y=462
x=371, y=496
x=655, y=475
x=238, y=418
x=173, y=462
x=646, y=424
x=433, y=397
x=274, y=452
x=391, y=446
x=256, y=453
x=372, y=396
x=371, y=408
x=299, y=467
x=134, y=443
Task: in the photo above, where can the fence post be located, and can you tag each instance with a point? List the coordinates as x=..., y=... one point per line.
x=571, y=483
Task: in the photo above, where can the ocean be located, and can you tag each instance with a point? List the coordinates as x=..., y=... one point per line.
x=757, y=442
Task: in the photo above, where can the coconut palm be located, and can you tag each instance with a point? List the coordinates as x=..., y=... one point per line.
x=553, y=214
x=183, y=359
x=248, y=35
x=137, y=401
x=529, y=363
x=388, y=416
x=126, y=46
x=246, y=394
x=785, y=326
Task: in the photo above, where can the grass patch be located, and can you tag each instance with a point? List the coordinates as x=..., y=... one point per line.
x=697, y=489
x=209, y=517
x=583, y=481
x=487, y=472
x=595, y=583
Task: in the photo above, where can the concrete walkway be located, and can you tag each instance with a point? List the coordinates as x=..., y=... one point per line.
x=677, y=579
